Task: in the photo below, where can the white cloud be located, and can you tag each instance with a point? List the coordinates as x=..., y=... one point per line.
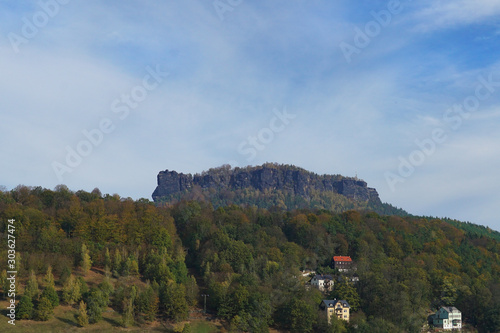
x=451, y=13
x=225, y=79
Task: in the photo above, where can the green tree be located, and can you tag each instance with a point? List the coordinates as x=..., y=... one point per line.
x=107, y=288
x=32, y=287
x=43, y=309
x=192, y=291
x=147, y=303
x=82, y=317
x=25, y=308
x=346, y=291
x=117, y=263
x=128, y=312
x=65, y=274
x=84, y=289
x=296, y=315
x=449, y=292
x=173, y=301
x=260, y=312
x=50, y=293
x=302, y=316
x=96, y=302
x=71, y=290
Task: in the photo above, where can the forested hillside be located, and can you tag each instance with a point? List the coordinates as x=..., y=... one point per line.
x=154, y=263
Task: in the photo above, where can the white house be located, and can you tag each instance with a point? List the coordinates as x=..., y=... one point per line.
x=448, y=318
x=322, y=282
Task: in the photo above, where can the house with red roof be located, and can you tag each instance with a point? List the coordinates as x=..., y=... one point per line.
x=343, y=263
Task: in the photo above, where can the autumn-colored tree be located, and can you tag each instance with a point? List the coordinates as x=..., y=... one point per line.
x=82, y=317
x=32, y=287
x=107, y=259
x=71, y=291
x=85, y=262
x=48, y=279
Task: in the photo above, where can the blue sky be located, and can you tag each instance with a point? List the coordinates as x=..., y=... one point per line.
x=412, y=106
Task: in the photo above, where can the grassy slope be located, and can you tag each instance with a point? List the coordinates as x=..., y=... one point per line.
x=64, y=319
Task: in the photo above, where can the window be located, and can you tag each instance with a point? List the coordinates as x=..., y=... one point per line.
x=345, y=310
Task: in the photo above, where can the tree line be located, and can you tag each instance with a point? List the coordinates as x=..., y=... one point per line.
x=154, y=261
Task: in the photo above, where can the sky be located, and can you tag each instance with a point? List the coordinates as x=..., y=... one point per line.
x=403, y=94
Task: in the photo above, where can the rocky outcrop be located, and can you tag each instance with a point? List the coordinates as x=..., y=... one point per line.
x=287, y=178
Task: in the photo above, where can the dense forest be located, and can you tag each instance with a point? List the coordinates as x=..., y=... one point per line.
x=155, y=261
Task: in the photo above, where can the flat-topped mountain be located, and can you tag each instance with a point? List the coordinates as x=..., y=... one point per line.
x=268, y=185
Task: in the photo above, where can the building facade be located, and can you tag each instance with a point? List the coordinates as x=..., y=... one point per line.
x=339, y=308
x=448, y=318
x=342, y=263
x=322, y=282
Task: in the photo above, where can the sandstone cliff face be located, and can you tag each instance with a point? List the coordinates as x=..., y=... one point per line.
x=267, y=177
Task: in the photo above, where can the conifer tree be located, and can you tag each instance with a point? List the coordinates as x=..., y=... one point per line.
x=95, y=304
x=117, y=262
x=43, y=310
x=82, y=317
x=65, y=274
x=173, y=301
x=84, y=289
x=134, y=266
x=71, y=290
x=149, y=302
x=107, y=288
x=85, y=262
x=50, y=293
x=49, y=277
x=24, y=309
x=32, y=287
x=128, y=312
x=107, y=259
x=346, y=291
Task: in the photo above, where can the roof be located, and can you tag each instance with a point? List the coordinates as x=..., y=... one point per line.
x=323, y=277
x=340, y=258
x=450, y=309
x=331, y=303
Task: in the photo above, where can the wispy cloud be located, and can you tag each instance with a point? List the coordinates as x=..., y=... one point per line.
x=226, y=77
x=452, y=13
